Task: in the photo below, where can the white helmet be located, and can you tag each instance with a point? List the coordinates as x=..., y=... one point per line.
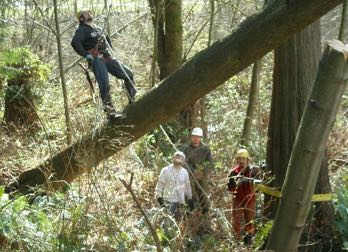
x=197, y=132
x=179, y=153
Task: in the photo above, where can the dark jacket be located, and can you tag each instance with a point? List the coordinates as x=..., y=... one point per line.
x=198, y=157
x=86, y=37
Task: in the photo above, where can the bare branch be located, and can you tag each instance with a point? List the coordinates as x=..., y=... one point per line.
x=148, y=222
x=44, y=19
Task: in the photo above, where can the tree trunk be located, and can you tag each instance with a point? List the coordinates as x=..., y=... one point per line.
x=324, y=215
x=75, y=8
x=62, y=75
x=158, y=33
x=342, y=32
x=2, y=81
x=107, y=16
x=256, y=36
x=202, y=106
x=295, y=66
x=173, y=38
x=254, y=88
x=309, y=148
x=296, y=63
x=168, y=24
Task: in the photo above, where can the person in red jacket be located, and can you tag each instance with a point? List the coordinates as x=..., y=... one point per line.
x=244, y=199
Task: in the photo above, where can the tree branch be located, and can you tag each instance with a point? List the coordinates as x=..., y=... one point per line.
x=128, y=186
x=44, y=19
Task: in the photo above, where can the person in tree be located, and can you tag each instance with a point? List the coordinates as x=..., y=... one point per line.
x=241, y=186
x=173, y=185
x=91, y=43
x=199, y=161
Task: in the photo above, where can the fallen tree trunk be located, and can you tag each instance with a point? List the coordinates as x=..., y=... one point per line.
x=256, y=36
x=309, y=147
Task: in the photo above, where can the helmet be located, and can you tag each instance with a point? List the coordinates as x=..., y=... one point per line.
x=197, y=132
x=180, y=153
x=80, y=13
x=242, y=153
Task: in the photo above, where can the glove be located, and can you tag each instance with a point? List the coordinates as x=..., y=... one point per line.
x=231, y=185
x=89, y=59
x=241, y=181
x=161, y=201
x=190, y=205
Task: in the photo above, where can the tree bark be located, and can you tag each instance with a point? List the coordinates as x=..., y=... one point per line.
x=158, y=33
x=309, y=148
x=295, y=66
x=62, y=75
x=173, y=38
x=202, y=106
x=324, y=215
x=168, y=24
x=256, y=36
x=343, y=25
x=254, y=88
x=128, y=186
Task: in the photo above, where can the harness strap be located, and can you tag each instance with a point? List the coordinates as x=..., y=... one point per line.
x=97, y=53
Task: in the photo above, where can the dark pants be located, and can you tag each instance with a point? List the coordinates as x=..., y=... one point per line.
x=175, y=209
x=200, y=189
x=200, y=197
x=101, y=68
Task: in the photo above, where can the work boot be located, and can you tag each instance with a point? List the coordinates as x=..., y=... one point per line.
x=110, y=110
x=112, y=115
x=107, y=103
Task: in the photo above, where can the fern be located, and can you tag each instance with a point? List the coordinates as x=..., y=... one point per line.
x=342, y=215
x=21, y=62
x=262, y=234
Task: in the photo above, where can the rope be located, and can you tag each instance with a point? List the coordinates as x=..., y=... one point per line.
x=112, y=53
x=278, y=194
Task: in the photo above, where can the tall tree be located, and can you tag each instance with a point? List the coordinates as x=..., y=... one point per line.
x=168, y=49
x=309, y=148
x=342, y=32
x=295, y=65
x=253, y=94
x=202, y=102
x=62, y=74
x=200, y=75
x=168, y=25
x=252, y=102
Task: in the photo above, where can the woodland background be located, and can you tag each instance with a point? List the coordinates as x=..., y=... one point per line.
x=96, y=211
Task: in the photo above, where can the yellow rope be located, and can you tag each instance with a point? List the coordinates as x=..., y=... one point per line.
x=277, y=194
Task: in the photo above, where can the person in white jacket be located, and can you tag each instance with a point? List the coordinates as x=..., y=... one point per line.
x=173, y=185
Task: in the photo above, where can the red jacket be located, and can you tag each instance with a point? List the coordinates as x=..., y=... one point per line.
x=244, y=193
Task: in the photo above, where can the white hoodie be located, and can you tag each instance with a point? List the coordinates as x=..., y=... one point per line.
x=173, y=184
